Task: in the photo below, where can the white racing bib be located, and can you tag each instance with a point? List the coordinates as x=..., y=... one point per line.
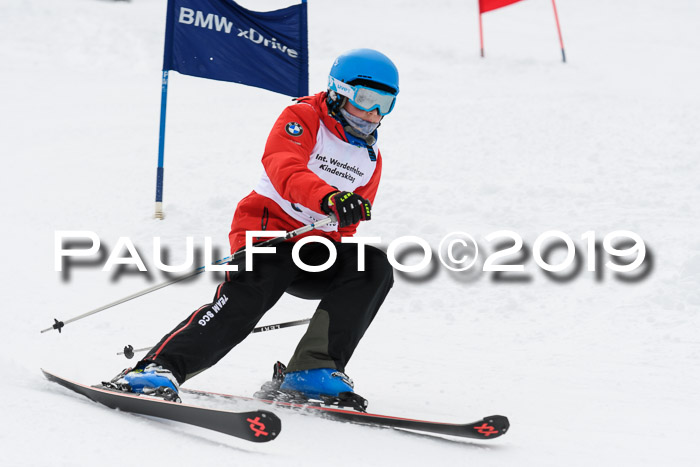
x=340, y=164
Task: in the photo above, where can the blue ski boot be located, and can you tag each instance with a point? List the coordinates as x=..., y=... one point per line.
x=327, y=385
x=317, y=382
x=152, y=380
x=319, y=386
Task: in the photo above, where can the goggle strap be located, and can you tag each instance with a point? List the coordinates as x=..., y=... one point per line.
x=342, y=88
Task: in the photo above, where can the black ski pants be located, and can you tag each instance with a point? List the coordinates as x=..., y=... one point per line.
x=349, y=300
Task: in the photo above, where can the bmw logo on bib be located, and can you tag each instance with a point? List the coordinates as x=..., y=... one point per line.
x=294, y=129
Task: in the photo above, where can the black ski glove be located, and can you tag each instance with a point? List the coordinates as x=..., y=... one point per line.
x=347, y=207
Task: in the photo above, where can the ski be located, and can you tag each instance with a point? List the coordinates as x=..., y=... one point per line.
x=257, y=426
x=485, y=429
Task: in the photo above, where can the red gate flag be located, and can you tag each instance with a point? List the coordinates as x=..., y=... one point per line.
x=488, y=5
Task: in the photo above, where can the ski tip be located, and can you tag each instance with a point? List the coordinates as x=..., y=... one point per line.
x=491, y=427
x=263, y=425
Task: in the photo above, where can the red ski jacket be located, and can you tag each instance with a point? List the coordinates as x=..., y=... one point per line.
x=307, y=156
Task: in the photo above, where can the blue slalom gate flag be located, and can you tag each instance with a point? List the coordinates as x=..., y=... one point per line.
x=221, y=40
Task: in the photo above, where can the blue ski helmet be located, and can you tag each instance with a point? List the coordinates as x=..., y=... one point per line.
x=365, y=71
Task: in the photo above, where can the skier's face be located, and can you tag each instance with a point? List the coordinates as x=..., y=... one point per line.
x=371, y=116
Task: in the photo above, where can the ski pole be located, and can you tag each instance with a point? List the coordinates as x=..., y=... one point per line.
x=129, y=350
x=58, y=325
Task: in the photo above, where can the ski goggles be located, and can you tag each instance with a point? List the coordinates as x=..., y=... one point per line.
x=363, y=97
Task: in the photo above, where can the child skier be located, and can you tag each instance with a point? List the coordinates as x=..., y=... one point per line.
x=321, y=158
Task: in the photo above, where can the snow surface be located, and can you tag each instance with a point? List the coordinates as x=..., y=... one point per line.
x=590, y=372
